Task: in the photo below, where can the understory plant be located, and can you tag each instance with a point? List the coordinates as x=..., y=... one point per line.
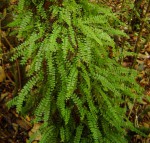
x=74, y=88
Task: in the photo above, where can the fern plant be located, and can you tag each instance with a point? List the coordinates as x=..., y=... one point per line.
x=74, y=88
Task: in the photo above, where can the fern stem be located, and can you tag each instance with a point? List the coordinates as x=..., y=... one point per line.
x=137, y=48
x=18, y=79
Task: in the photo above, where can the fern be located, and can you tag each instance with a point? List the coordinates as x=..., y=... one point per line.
x=49, y=135
x=74, y=88
x=79, y=131
x=21, y=5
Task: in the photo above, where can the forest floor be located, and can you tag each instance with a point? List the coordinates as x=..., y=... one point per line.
x=17, y=129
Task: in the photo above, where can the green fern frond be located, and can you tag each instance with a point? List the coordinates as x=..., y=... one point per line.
x=48, y=135
x=21, y=5
x=79, y=105
x=92, y=122
x=86, y=30
x=25, y=91
x=71, y=82
x=61, y=103
x=79, y=131
x=62, y=134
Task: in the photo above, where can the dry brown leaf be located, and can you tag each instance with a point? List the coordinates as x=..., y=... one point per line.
x=3, y=95
x=148, y=93
x=35, y=127
x=144, y=82
x=28, y=118
x=140, y=61
x=13, y=1
x=35, y=142
x=2, y=74
x=35, y=130
x=146, y=125
x=143, y=56
x=141, y=74
x=23, y=124
x=148, y=47
x=148, y=62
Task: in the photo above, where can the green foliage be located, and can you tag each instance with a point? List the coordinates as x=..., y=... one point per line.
x=79, y=89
